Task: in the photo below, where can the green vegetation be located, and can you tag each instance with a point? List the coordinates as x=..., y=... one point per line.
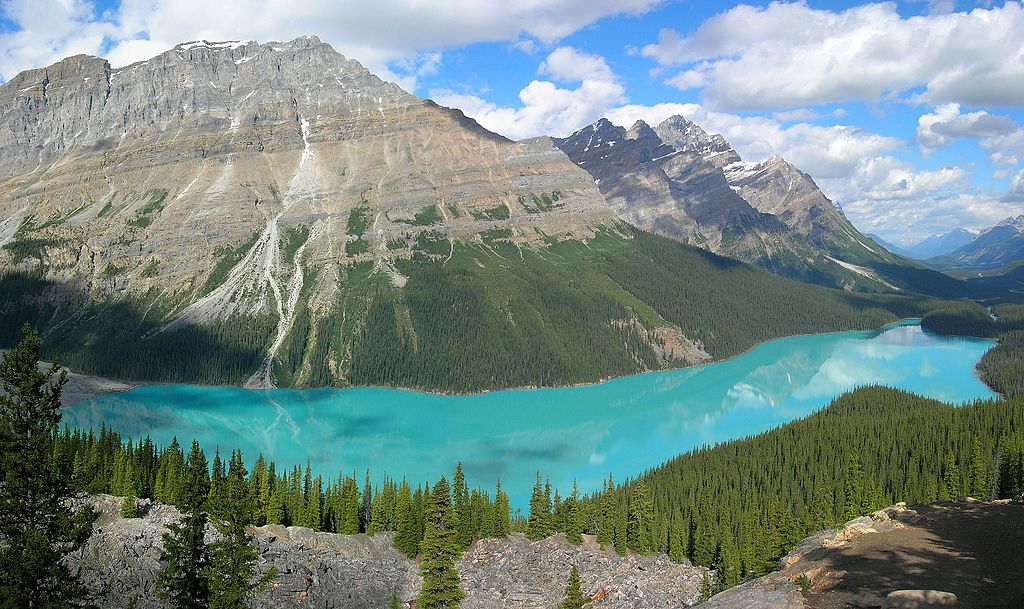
x=440, y=551
x=425, y=217
x=1003, y=366
x=356, y=247
x=23, y=248
x=563, y=313
x=38, y=526
x=291, y=240
x=151, y=269
x=153, y=206
x=499, y=212
x=538, y=204
x=432, y=242
x=741, y=505
x=358, y=221
x=574, y=597
x=227, y=258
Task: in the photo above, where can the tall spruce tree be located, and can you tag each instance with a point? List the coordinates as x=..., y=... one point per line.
x=440, y=551
x=232, y=569
x=37, y=528
x=183, y=583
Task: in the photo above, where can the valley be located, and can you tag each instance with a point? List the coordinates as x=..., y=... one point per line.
x=294, y=298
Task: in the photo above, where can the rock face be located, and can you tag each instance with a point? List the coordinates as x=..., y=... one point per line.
x=516, y=573
x=679, y=181
x=236, y=178
x=121, y=560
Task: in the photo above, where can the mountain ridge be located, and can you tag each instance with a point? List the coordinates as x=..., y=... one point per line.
x=276, y=215
x=681, y=182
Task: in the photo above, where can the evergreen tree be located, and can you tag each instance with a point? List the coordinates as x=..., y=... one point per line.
x=503, y=517
x=407, y=539
x=537, y=523
x=232, y=568
x=978, y=473
x=37, y=528
x=183, y=583
x=573, y=518
x=641, y=515
x=394, y=604
x=574, y=597
x=440, y=554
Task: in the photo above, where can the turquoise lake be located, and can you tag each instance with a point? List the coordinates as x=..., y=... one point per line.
x=622, y=426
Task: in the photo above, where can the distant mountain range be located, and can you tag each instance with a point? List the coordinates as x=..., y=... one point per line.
x=679, y=181
x=993, y=248
x=274, y=214
x=940, y=245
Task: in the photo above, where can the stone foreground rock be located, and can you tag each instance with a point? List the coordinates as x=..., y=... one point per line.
x=121, y=561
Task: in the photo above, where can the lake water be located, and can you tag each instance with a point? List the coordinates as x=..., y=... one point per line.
x=621, y=426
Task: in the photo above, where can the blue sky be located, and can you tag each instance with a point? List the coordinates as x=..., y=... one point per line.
x=908, y=114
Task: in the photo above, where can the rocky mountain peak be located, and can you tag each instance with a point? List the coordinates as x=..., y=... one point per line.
x=1015, y=222
x=687, y=136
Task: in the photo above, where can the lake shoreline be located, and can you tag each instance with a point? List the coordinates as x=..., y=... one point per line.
x=85, y=387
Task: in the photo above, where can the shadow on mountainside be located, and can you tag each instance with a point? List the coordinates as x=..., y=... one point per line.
x=974, y=550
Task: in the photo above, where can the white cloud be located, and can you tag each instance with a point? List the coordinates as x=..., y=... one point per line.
x=1016, y=192
x=946, y=123
x=1006, y=149
x=548, y=109
x=568, y=64
x=787, y=55
x=376, y=33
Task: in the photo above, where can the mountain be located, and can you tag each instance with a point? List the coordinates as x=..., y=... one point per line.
x=889, y=245
x=679, y=181
x=275, y=214
x=939, y=245
x=994, y=247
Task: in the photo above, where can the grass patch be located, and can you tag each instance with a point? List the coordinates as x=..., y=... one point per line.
x=357, y=246
x=358, y=221
x=426, y=217
x=228, y=257
x=292, y=240
x=545, y=202
x=155, y=201
x=499, y=212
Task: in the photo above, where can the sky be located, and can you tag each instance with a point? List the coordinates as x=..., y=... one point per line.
x=908, y=114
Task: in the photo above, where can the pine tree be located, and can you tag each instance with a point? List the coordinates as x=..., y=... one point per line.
x=977, y=473
x=503, y=517
x=232, y=569
x=440, y=554
x=37, y=529
x=407, y=539
x=574, y=597
x=951, y=476
x=640, y=518
x=183, y=582
x=573, y=518
x=854, y=487
x=537, y=523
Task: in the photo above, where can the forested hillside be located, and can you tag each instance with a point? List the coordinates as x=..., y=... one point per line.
x=737, y=506
x=467, y=317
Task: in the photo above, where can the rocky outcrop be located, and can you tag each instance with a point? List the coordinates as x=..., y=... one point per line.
x=121, y=560
x=516, y=573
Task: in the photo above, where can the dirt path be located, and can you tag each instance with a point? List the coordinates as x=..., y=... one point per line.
x=974, y=550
